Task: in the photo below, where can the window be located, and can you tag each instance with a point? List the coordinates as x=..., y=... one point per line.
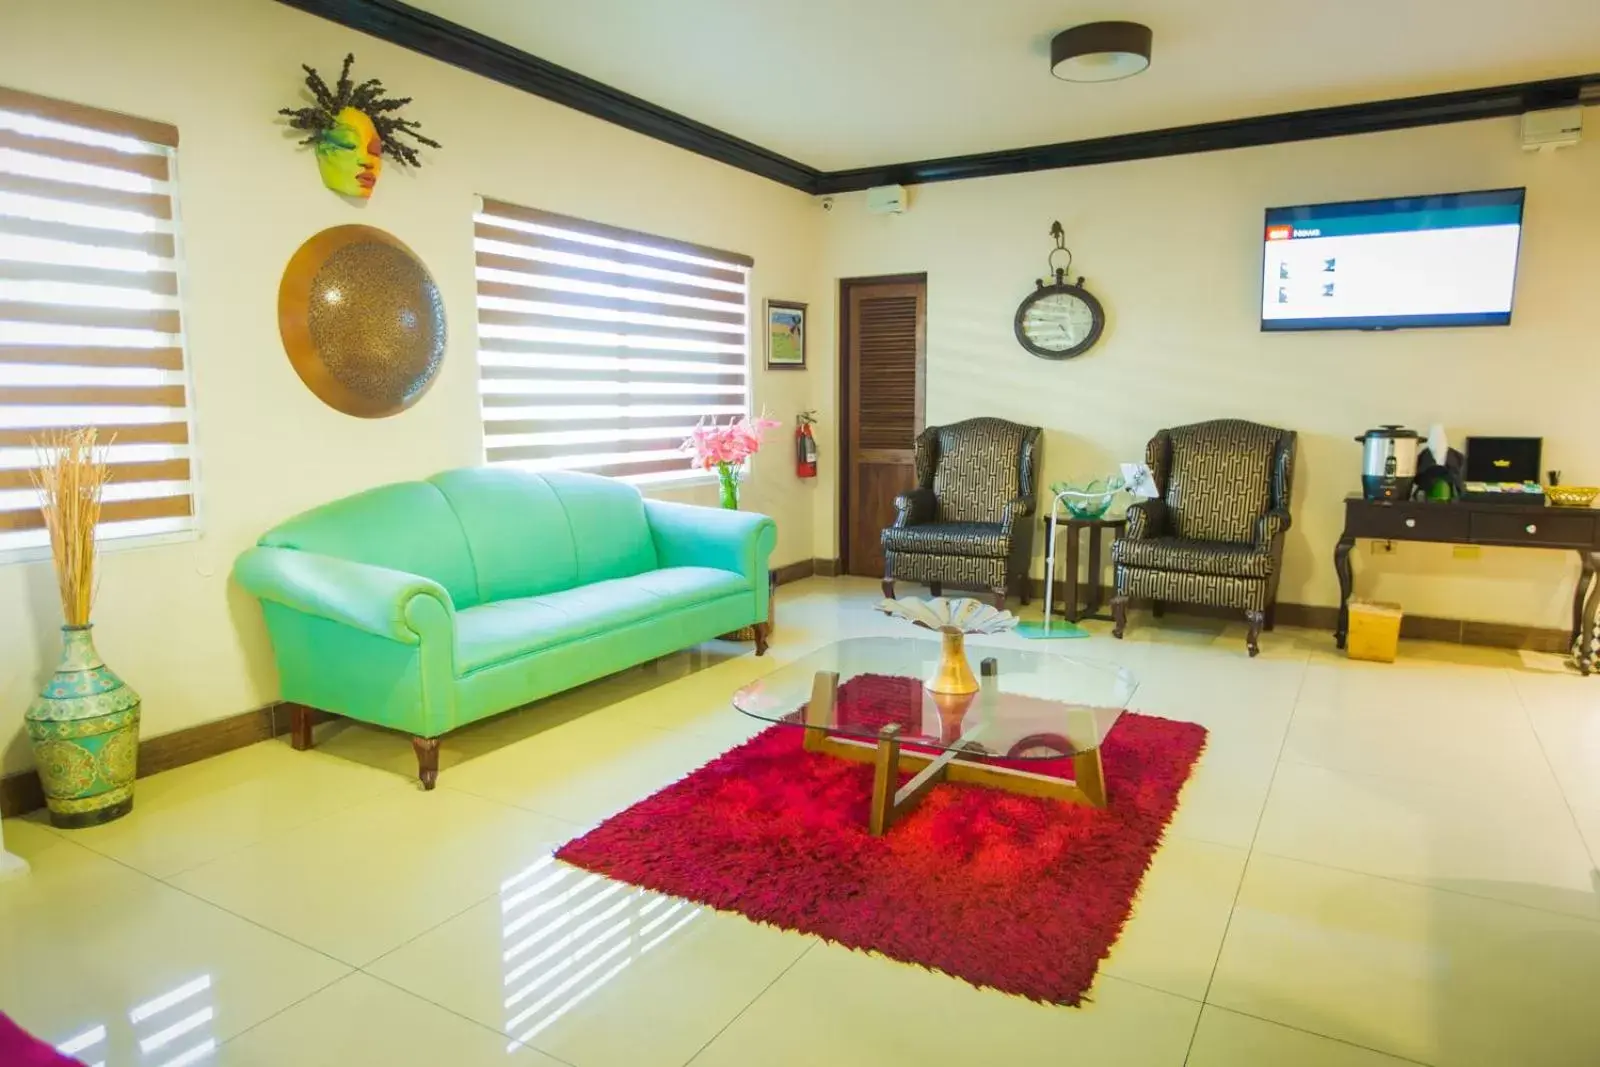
x=90, y=332
x=600, y=348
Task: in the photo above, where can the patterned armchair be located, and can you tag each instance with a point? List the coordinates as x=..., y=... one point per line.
x=967, y=523
x=1215, y=534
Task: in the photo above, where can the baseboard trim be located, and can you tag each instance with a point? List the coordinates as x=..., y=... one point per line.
x=1415, y=627
x=21, y=792
x=794, y=572
x=806, y=568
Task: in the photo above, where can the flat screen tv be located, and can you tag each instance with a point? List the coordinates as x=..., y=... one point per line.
x=1448, y=260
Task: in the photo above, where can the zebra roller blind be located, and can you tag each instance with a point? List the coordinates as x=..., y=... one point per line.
x=90, y=328
x=600, y=348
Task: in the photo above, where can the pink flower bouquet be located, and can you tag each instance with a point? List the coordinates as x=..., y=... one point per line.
x=725, y=448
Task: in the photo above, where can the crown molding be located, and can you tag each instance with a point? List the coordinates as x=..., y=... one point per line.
x=1343, y=121
x=449, y=42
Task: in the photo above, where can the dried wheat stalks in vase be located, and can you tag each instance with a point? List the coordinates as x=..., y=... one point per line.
x=71, y=476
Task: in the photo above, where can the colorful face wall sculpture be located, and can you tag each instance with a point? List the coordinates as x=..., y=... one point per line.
x=349, y=154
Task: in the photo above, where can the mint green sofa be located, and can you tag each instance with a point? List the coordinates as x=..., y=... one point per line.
x=424, y=606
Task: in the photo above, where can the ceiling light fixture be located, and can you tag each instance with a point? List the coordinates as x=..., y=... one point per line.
x=1100, y=51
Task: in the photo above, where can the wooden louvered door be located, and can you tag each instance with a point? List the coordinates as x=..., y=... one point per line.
x=883, y=367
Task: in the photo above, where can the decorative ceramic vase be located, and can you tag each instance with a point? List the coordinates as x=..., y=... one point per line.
x=954, y=676
x=85, y=732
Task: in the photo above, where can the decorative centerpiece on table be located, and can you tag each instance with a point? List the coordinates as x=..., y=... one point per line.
x=953, y=685
x=1090, y=501
x=724, y=449
x=85, y=724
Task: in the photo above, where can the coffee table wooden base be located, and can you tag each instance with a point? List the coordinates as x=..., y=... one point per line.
x=890, y=804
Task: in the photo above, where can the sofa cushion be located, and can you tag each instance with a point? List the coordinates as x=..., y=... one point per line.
x=986, y=540
x=493, y=633
x=517, y=529
x=609, y=529
x=407, y=527
x=1225, y=558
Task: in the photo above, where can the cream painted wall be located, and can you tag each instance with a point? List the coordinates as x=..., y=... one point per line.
x=1172, y=247
x=168, y=617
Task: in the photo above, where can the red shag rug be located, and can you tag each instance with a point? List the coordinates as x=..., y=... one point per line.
x=1019, y=893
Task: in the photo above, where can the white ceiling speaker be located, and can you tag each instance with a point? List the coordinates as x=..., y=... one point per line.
x=1100, y=51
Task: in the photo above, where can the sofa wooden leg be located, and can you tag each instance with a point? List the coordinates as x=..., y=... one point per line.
x=888, y=588
x=763, y=635
x=1119, y=616
x=1157, y=609
x=300, y=737
x=1253, y=638
x=1024, y=591
x=1000, y=598
x=935, y=589
x=427, y=750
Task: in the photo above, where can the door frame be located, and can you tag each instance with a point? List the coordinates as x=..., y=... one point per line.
x=845, y=363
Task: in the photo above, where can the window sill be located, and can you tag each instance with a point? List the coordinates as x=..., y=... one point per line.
x=115, y=546
x=691, y=480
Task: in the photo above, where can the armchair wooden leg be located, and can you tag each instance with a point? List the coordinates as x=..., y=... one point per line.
x=1253, y=638
x=935, y=589
x=427, y=750
x=1024, y=590
x=1271, y=618
x=888, y=588
x=763, y=634
x=1158, y=608
x=1119, y=615
x=300, y=737
x=999, y=598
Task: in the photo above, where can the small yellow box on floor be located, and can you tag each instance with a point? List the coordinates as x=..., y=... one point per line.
x=1374, y=631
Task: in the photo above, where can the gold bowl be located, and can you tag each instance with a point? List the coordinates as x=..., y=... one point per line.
x=1571, y=496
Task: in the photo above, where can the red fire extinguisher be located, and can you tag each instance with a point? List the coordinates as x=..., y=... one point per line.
x=805, y=445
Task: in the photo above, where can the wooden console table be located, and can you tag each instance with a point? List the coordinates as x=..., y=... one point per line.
x=1473, y=523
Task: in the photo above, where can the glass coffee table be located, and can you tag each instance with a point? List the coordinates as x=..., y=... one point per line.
x=869, y=700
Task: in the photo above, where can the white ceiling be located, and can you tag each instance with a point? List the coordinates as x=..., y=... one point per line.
x=849, y=83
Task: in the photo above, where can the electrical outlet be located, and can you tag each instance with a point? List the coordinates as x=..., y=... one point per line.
x=1383, y=548
x=1466, y=551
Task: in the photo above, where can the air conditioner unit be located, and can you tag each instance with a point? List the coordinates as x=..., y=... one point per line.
x=888, y=200
x=1558, y=127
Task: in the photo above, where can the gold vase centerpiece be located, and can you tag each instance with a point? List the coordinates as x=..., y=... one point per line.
x=84, y=725
x=953, y=684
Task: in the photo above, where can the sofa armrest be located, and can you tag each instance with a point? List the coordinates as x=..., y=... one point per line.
x=1146, y=519
x=914, y=508
x=1271, y=526
x=687, y=535
x=376, y=600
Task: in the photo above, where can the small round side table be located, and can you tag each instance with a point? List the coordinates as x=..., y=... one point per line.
x=1074, y=606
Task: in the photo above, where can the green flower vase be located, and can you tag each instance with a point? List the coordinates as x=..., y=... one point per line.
x=728, y=485
x=85, y=733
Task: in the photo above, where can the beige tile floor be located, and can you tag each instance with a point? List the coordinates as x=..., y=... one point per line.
x=1373, y=865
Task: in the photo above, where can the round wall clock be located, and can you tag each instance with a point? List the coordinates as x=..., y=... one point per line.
x=1059, y=319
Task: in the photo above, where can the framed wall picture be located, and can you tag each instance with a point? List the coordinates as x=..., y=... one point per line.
x=786, y=335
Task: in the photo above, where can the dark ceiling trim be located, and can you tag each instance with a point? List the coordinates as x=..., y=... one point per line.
x=419, y=31
x=1344, y=121
x=412, y=28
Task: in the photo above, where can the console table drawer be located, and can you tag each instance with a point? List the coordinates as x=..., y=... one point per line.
x=1421, y=523
x=1554, y=529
